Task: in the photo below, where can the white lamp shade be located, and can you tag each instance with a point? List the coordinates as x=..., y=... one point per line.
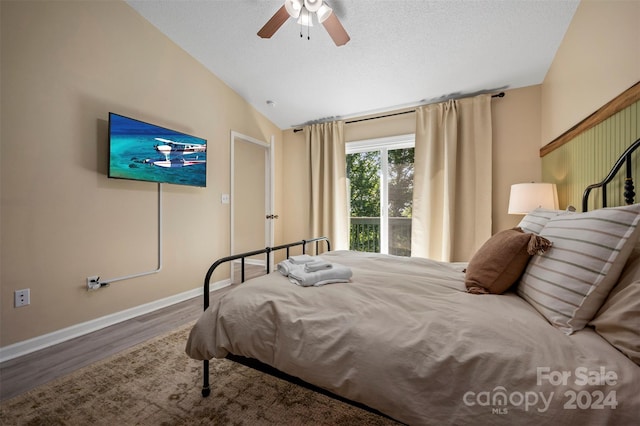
x=526, y=197
x=293, y=7
x=323, y=13
x=312, y=5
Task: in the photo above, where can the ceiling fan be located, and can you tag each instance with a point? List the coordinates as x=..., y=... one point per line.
x=303, y=10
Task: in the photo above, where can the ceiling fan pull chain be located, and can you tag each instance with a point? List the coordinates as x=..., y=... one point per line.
x=301, y=26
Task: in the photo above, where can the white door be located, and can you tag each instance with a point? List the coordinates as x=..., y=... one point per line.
x=251, y=197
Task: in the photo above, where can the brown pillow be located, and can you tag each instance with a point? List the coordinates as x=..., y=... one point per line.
x=501, y=260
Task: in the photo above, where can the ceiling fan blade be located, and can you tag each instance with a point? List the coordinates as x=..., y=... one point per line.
x=336, y=30
x=274, y=23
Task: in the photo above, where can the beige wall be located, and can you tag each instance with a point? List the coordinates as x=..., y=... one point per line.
x=295, y=187
x=65, y=65
x=516, y=136
x=599, y=58
x=516, y=157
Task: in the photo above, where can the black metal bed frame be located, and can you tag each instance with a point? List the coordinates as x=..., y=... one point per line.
x=629, y=194
x=206, y=390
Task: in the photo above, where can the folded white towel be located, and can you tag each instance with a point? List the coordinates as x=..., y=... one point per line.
x=301, y=259
x=336, y=274
x=285, y=267
x=319, y=283
x=317, y=265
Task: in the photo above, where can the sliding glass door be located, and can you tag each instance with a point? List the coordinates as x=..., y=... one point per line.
x=380, y=174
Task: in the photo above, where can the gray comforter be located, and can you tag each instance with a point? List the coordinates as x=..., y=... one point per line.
x=405, y=338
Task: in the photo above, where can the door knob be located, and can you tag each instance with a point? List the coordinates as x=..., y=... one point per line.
x=272, y=216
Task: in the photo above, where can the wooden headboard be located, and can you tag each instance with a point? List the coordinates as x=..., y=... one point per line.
x=585, y=154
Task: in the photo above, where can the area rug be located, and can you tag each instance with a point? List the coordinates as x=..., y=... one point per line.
x=156, y=383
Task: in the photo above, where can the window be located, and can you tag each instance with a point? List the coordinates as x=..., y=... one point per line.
x=380, y=175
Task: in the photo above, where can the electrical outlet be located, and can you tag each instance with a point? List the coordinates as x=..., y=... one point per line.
x=224, y=198
x=92, y=282
x=22, y=297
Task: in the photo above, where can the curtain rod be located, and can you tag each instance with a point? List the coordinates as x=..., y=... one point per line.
x=497, y=95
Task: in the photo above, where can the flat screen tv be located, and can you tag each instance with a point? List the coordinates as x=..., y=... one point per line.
x=146, y=152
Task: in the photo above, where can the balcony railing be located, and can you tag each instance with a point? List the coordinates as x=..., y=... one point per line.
x=365, y=235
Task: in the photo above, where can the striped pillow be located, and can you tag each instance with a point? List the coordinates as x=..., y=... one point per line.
x=570, y=282
x=536, y=219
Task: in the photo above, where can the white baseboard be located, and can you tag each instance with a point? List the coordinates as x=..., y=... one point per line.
x=40, y=342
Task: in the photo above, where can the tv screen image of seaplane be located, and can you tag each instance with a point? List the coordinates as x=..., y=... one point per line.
x=146, y=152
x=174, y=153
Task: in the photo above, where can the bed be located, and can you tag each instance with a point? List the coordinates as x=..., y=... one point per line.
x=407, y=338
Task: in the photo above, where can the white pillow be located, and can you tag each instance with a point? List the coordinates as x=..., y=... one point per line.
x=618, y=320
x=570, y=282
x=536, y=219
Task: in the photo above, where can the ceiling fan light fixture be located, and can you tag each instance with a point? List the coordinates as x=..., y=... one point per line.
x=305, y=18
x=302, y=11
x=293, y=7
x=323, y=13
x=312, y=5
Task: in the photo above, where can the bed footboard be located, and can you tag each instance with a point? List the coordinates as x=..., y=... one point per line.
x=206, y=390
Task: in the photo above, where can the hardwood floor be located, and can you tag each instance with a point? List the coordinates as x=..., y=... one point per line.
x=24, y=373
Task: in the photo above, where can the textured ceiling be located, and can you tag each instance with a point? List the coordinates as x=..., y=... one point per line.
x=402, y=52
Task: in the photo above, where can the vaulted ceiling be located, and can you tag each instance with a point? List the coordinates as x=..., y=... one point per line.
x=402, y=52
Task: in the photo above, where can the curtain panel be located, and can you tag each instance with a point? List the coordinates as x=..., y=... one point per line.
x=329, y=213
x=452, y=179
